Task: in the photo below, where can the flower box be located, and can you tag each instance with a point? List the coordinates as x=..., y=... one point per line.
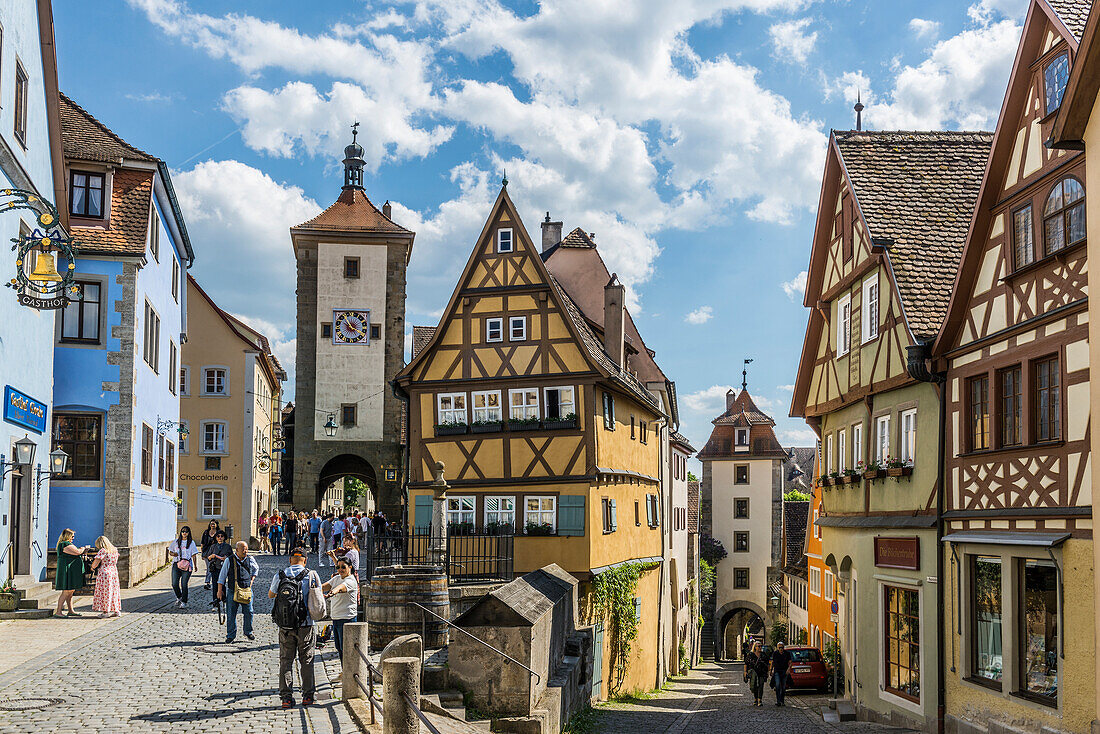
x=489, y=427
x=560, y=423
x=530, y=424
x=849, y=478
x=873, y=474
x=450, y=429
x=899, y=471
x=9, y=602
x=534, y=528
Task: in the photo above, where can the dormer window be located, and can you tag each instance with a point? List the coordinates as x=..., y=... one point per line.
x=1055, y=76
x=741, y=439
x=86, y=192
x=504, y=240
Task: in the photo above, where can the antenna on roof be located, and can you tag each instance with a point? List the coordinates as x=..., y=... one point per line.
x=859, y=112
x=745, y=375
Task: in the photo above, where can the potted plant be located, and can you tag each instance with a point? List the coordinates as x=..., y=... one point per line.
x=834, y=478
x=898, y=468
x=499, y=528
x=568, y=420
x=523, y=424
x=486, y=426
x=873, y=470
x=535, y=528
x=825, y=481
x=460, y=528
x=451, y=428
x=852, y=475
x=9, y=599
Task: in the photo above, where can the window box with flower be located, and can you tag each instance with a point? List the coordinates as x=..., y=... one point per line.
x=873, y=470
x=456, y=428
x=851, y=476
x=523, y=424
x=898, y=468
x=566, y=421
x=9, y=597
x=486, y=427
x=535, y=528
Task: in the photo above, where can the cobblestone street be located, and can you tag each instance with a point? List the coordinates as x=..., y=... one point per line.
x=148, y=671
x=713, y=699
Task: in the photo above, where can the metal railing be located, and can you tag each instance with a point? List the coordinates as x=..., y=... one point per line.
x=486, y=645
x=469, y=556
x=375, y=704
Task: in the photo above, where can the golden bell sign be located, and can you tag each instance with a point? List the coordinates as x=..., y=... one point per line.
x=45, y=269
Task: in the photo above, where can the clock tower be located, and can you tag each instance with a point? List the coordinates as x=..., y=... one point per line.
x=351, y=262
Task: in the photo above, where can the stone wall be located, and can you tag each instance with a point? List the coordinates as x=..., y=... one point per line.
x=138, y=563
x=118, y=425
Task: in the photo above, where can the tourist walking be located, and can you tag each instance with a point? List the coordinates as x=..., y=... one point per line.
x=235, y=586
x=183, y=551
x=337, y=531
x=343, y=590
x=261, y=531
x=207, y=540
x=780, y=664
x=290, y=531
x=326, y=539
x=275, y=532
x=70, y=571
x=108, y=596
x=756, y=670
x=297, y=633
x=215, y=557
x=314, y=531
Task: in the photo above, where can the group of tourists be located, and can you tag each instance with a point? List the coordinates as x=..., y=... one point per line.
x=319, y=532
x=761, y=668
x=73, y=562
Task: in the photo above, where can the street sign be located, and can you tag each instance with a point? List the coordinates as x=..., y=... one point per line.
x=836, y=607
x=834, y=617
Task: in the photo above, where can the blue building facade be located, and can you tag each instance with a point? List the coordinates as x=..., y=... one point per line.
x=117, y=354
x=30, y=159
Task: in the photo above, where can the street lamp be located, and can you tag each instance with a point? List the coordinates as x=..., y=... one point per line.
x=330, y=426
x=24, y=451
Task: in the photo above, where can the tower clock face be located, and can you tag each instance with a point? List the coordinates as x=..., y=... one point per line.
x=350, y=326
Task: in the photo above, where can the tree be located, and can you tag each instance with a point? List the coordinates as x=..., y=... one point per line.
x=795, y=496
x=353, y=490
x=692, y=477
x=711, y=549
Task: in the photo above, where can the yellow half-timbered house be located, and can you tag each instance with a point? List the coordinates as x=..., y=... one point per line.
x=543, y=427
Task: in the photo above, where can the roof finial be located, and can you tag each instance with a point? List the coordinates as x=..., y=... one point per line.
x=504, y=181
x=354, y=130
x=745, y=375
x=859, y=112
x=353, y=161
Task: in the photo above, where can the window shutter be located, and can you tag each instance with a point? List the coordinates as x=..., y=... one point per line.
x=423, y=508
x=571, y=514
x=649, y=510
x=614, y=516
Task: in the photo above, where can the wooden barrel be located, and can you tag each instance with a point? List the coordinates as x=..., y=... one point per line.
x=390, y=613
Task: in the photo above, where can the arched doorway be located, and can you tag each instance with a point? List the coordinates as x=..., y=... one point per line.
x=352, y=477
x=738, y=622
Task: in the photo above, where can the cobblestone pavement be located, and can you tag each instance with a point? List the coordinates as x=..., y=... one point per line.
x=713, y=699
x=148, y=672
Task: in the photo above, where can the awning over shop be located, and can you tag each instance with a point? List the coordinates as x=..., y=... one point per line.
x=876, y=521
x=994, y=537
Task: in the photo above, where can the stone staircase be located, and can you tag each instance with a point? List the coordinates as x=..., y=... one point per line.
x=36, y=599
x=706, y=640
x=448, y=704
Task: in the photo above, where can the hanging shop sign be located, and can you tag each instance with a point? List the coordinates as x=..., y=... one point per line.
x=38, y=283
x=23, y=410
x=898, y=553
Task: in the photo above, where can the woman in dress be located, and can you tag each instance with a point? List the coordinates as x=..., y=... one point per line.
x=184, y=552
x=261, y=531
x=70, y=571
x=108, y=595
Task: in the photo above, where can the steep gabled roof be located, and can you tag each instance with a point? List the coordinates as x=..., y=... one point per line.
x=741, y=412
x=252, y=338
x=693, y=506
x=795, y=515
x=578, y=238
x=352, y=212
x=1081, y=90
x=743, y=409
x=86, y=138
x=128, y=226
x=917, y=189
x=422, y=337
x=1072, y=13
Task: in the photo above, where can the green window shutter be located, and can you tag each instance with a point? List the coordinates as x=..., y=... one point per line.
x=423, y=507
x=571, y=514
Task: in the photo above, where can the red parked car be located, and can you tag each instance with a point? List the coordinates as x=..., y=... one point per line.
x=808, y=669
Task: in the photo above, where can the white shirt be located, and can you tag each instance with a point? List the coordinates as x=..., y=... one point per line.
x=344, y=605
x=189, y=550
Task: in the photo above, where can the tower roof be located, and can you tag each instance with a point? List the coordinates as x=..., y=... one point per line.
x=741, y=412
x=352, y=212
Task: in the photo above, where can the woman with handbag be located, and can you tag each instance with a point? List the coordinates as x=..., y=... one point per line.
x=756, y=670
x=108, y=595
x=70, y=571
x=183, y=551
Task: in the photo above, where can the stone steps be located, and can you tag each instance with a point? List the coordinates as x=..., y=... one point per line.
x=450, y=704
x=35, y=594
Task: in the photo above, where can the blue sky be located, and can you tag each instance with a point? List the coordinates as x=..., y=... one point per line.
x=688, y=135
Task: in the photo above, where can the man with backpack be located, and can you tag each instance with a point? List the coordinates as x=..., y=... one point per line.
x=290, y=588
x=235, y=582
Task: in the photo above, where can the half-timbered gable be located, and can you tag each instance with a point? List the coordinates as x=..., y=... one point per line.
x=1014, y=347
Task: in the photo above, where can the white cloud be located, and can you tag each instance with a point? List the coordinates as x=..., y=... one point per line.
x=282, y=340
x=795, y=288
x=237, y=242
x=985, y=11
x=701, y=315
x=785, y=388
x=791, y=40
x=923, y=28
x=850, y=86
x=708, y=400
x=798, y=437
x=150, y=97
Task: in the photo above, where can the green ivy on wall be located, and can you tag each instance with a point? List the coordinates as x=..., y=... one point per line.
x=611, y=600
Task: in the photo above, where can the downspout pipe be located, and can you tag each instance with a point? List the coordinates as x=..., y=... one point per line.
x=917, y=361
x=403, y=396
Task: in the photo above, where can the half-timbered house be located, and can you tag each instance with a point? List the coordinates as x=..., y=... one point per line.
x=544, y=428
x=1018, y=517
x=891, y=222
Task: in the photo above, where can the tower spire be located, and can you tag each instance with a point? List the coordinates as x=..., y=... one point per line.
x=859, y=112
x=353, y=161
x=745, y=374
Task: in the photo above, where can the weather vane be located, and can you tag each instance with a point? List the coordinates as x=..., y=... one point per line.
x=745, y=375
x=354, y=130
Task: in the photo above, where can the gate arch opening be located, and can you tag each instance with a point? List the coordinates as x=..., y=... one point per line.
x=738, y=625
x=345, y=466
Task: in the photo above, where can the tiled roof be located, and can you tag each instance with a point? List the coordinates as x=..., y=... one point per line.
x=421, y=336
x=126, y=231
x=743, y=411
x=353, y=211
x=1073, y=13
x=85, y=138
x=680, y=438
x=594, y=347
x=919, y=190
x=578, y=238
x=798, y=470
x=693, y=506
x=795, y=515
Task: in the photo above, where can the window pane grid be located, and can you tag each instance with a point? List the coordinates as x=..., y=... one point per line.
x=902, y=641
x=1047, y=400
x=979, y=413
x=1010, y=406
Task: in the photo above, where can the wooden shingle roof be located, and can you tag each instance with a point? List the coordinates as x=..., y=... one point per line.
x=1073, y=13
x=917, y=190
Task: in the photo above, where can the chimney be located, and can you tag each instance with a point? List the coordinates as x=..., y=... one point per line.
x=731, y=396
x=386, y=209
x=551, y=233
x=614, y=293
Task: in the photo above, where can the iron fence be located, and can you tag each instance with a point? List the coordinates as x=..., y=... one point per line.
x=469, y=556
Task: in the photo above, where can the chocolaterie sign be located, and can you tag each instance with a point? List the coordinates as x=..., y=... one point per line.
x=898, y=553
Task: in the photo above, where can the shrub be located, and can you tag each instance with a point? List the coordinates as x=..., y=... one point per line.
x=711, y=550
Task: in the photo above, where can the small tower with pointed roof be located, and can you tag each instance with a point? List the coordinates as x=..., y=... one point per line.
x=352, y=259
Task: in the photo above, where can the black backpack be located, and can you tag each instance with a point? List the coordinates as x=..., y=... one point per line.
x=290, y=610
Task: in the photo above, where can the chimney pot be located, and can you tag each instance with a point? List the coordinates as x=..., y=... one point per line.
x=731, y=396
x=386, y=209
x=614, y=295
x=551, y=233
